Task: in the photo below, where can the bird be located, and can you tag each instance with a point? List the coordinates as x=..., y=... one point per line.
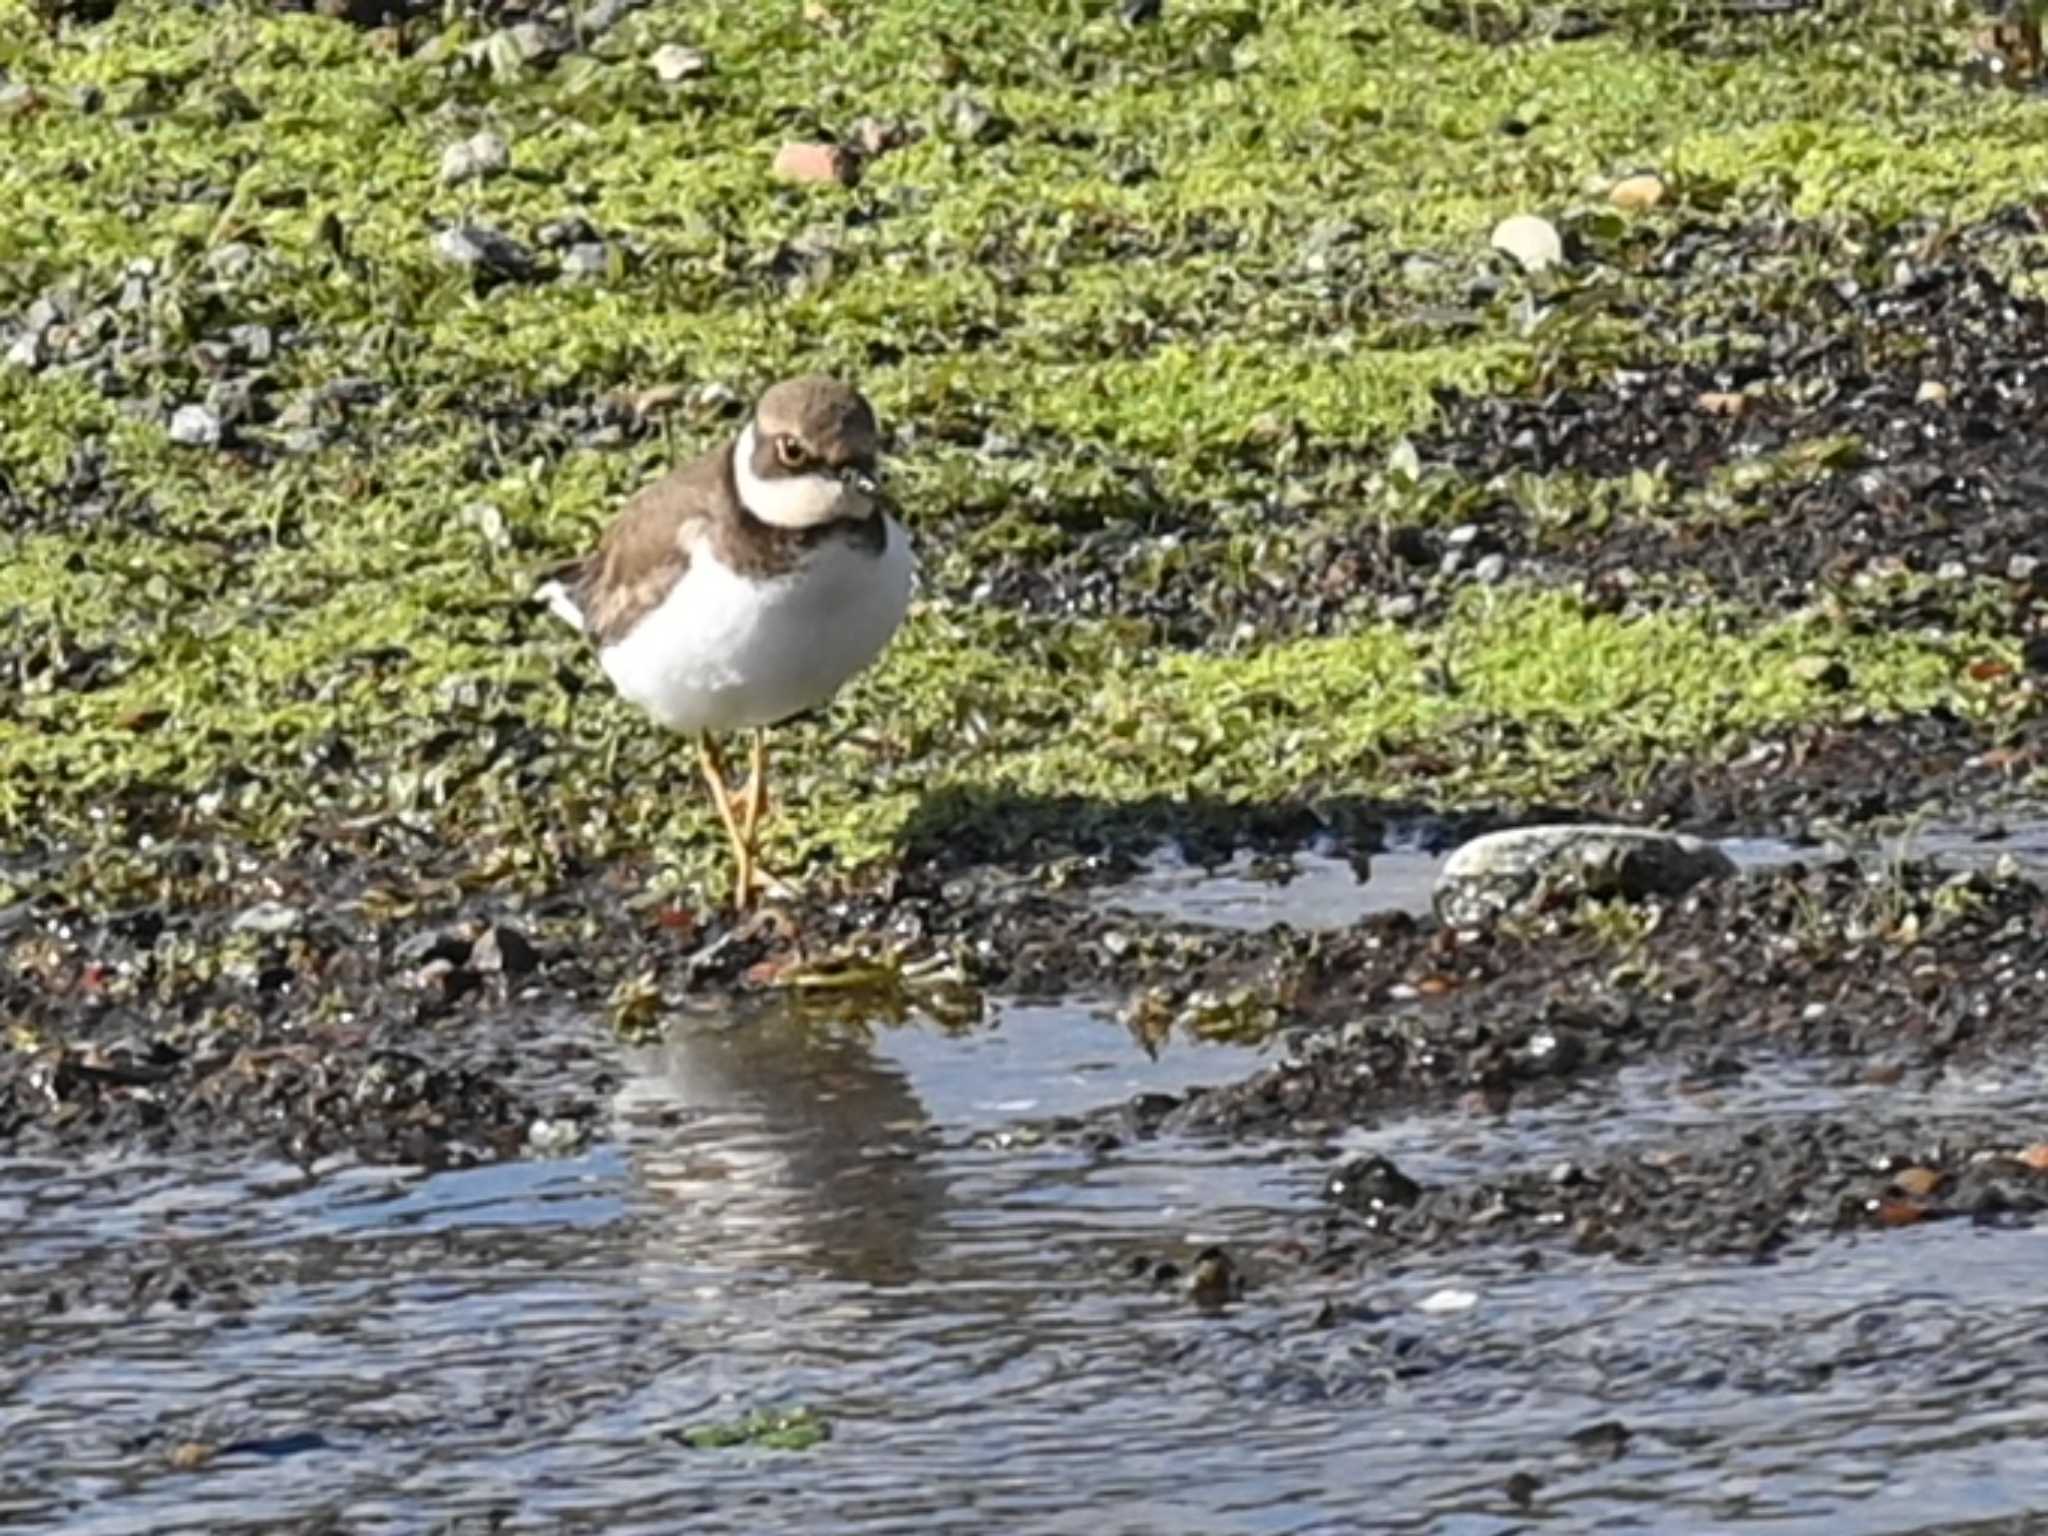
x=747, y=586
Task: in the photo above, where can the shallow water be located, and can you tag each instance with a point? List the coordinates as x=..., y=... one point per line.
x=1317, y=890
x=863, y=1222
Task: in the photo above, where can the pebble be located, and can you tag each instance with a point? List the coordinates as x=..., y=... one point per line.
x=673, y=63
x=605, y=15
x=588, y=259
x=1637, y=193
x=256, y=342
x=232, y=260
x=476, y=158
x=1449, y=1299
x=26, y=352
x=554, y=1137
x=268, y=917
x=1533, y=242
x=816, y=163
x=195, y=426
x=877, y=136
x=478, y=245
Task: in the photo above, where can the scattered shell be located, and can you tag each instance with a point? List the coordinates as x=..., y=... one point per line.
x=1533, y=242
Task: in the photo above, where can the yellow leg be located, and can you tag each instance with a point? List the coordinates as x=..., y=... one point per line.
x=753, y=810
x=721, y=798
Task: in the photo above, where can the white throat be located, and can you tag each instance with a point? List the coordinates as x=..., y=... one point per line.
x=795, y=501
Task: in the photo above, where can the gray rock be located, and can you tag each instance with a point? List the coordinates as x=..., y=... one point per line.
x=482, y=247
x=588, y=259
x=673, y=63
x=605, y=15
x=554, y=1138
x=194, y=426
x=476, y=158
x=1533, y=242
x=232, y=260
x=256, y=342
x=44, y=313
x=268, y=917
x=26, y=351
x=511, y=50
x=1523, y=867
x=1491, y=569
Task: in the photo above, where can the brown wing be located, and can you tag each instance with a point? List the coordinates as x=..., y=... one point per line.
x=642, y=554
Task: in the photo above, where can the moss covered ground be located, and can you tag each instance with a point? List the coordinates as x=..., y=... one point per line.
x=1210, y=401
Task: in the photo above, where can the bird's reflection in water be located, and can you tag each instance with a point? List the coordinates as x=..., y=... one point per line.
x=781, y=1141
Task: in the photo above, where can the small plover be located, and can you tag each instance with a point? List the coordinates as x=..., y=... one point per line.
x=748, y=585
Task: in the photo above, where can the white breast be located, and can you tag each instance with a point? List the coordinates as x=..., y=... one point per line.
x=724, y=651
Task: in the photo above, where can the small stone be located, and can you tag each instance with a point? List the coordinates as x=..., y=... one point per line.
x=44, y=313
x=1917, y=1182
x=1492, y=569
x=26, y=352
x=1214, y=1281
x=1636, y=194
x=971, y=120
x=1449, y=1299
x=552, y=1138
x=817, y=163
x=2022, y=567
x=194, y=426
x=1531, y=241
x=1931, y=392
x=605, y=15
x=232, y=260
x=480, y=246
x=254, y=341
x=1721, y=402
x=574, y=230
x=191, y=1456
x=273, y=918
x=476, y=158
x=877, y=136
x=587, y=259
x=672, y=63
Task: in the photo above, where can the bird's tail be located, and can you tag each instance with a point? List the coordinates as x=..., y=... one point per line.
x=560, y=588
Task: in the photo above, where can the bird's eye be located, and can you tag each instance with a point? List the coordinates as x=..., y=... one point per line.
x=790, y=452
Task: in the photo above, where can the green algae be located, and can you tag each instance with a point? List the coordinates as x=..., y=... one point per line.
x=1118, y=275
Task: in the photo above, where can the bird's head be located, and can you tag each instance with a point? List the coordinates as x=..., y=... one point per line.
x=810, y=455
